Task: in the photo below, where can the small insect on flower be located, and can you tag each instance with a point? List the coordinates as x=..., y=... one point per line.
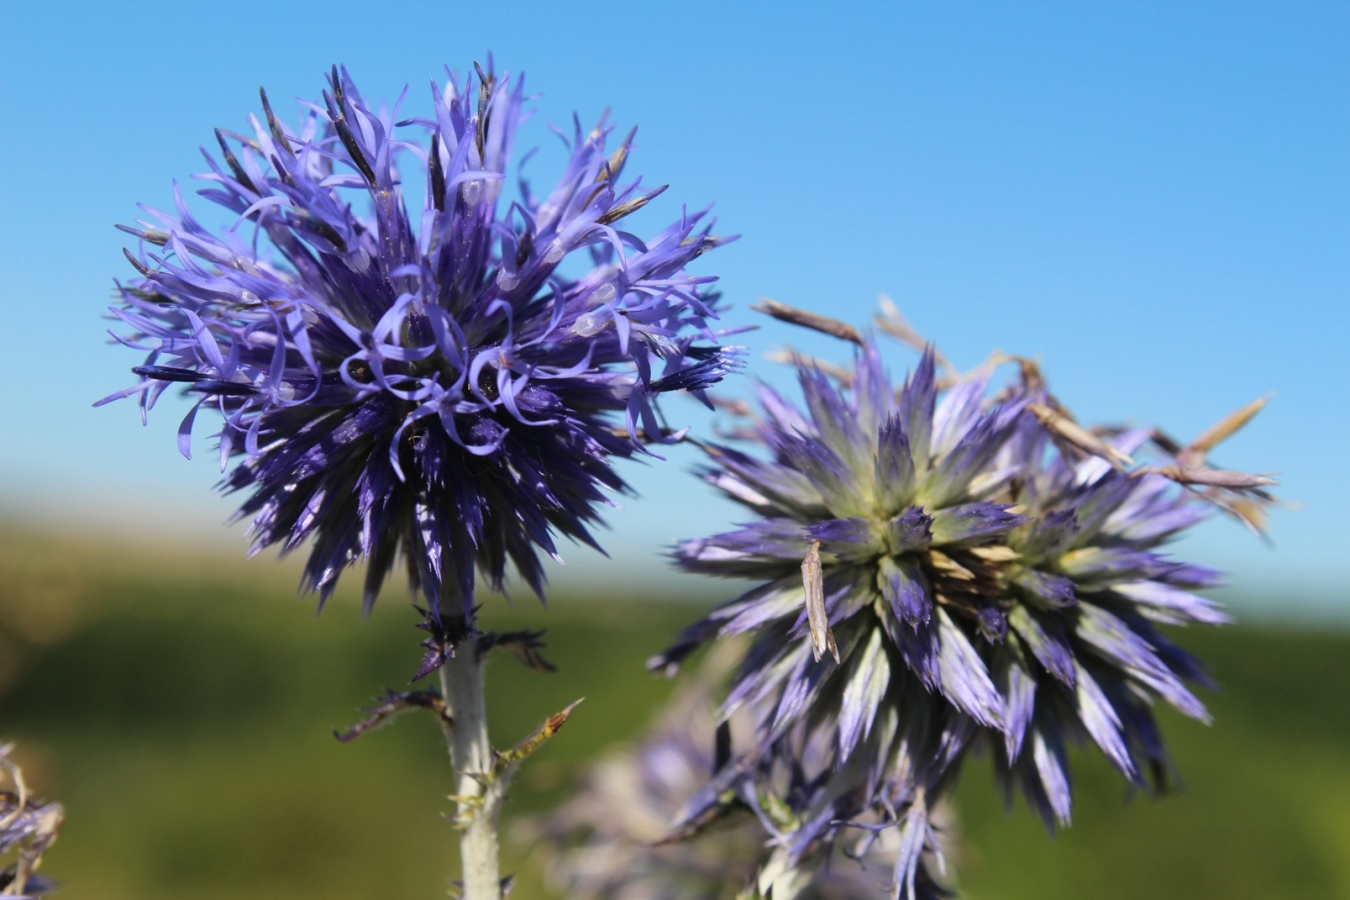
x=442, y=386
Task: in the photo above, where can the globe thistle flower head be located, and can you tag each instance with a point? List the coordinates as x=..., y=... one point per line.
x=879, y=506
x=449, y=385
x=940, y=566
x=878, y=496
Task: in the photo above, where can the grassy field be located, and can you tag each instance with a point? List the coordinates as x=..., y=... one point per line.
x=180, y=705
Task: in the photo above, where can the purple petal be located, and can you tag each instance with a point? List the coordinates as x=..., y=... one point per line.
x=1048, y=535
x=1172, y=605
x=826, y=472
x=185, y=430
x=964, y=679
x=1101, y=721
x=1052, y=767
x=1046, y=591
x=993, y=623
x=918, y=647
x=959, y=411
x=915, y=834
x=904, y=586
x=893, y=471
x=911, y=530
x=973, y=523
x=1112, y=639
x=1018, y=687
x=1047, y=642
x=868, y=678
x=917, y=401
x=953, y=472
x=835, y=420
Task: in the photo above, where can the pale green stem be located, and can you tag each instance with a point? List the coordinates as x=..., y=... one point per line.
x=478, y=792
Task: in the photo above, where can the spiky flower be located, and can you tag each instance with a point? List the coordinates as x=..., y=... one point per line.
x=939, y=568
x=28, y=826
x=613, y=838
x=451, y=385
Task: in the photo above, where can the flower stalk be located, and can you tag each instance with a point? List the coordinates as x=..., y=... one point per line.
x=479, y=789
x=482, y=775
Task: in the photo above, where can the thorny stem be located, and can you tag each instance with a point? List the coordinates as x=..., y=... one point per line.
x=479, y=791
x=482, y=775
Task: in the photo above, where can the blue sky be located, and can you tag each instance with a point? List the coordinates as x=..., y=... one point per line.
x=1152, y=198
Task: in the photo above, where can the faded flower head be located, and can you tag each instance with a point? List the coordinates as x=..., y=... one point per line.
x=939, y=568
x=28, y=826
x=614, y=838
x=451, y=384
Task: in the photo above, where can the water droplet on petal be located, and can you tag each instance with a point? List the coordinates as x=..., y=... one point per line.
x=588, y=324
x=603, y=294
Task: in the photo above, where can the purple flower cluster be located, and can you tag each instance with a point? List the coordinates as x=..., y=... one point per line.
x=613, y=838
x=938, y=569
x=449, y=386
x=28, y=827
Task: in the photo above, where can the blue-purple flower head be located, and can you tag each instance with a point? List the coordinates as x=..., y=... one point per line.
x=938, y=567
x=448, y=385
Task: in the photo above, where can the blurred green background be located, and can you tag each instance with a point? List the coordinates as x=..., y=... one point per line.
x=180, y=704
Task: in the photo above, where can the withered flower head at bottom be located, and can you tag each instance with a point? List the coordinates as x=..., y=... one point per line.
x=614, y=838
x=28, y=827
